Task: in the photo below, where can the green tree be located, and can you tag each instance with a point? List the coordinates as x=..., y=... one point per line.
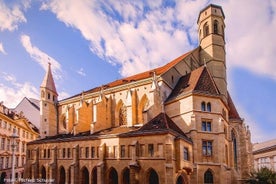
x=262, y=176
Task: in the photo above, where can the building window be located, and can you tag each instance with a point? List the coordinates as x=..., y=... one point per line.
x=2, y=163
x=185, y=153
x=7, y=162
x=63, y=152
x=142, y=150
x=92, y=152
x=150, y=150
x=235, y=151
x=123, y=151
x=68, y=152
x=86, y=152
x=208, y=177
x=44, y=153
x=206, y=30
x=207, y=148
x=203, y=106
x=209, y=107
x=49, y=96
x=116, y=152
x=8, y=144
x=215, y=27
x=48, y=153
x=28, y=154
x=3, y=143
x=206, y=126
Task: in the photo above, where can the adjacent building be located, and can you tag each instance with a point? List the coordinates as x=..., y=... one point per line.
x=265, y=155
x=11, y=122
x=172, y=124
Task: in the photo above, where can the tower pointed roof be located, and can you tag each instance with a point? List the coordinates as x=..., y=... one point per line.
x=48, y=81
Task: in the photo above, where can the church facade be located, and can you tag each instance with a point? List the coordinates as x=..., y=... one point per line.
x=172, y=124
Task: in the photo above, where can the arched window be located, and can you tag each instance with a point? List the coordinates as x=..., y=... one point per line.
x=205, y=30
x=62, y=175
x=215, y=27
x=209, y=107
x=153, y=177
x=94, y=175
x=126, y=176
x=84, y=176
x=203, y=106
x=235, y=151
x=113, y=176
x=208, y=177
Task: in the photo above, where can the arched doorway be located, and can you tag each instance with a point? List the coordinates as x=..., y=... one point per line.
x=126, y=176
x=84, y=179
x=94, y=175
x=62, y=175
x=3, y=176
x=43, y=174
x=152, y=177
x=208, y=177
x=180, y=180
x=113, y=176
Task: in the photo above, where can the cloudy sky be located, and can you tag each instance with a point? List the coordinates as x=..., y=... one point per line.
x=90, y=43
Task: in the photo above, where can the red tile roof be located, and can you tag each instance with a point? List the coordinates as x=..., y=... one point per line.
x=233, y=113
x=139, y=76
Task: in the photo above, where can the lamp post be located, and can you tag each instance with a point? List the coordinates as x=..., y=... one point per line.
x=13, y=137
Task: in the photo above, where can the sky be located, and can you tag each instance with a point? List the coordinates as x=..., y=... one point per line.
x=90, y=43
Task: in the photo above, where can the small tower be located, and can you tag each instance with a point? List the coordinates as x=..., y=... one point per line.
x=48, y=100
x=211, y=37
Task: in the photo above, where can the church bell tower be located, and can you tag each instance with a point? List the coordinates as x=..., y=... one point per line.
x=211, y=37
x=48, y=110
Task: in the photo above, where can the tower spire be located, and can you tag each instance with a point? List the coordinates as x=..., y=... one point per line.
x=48, y=81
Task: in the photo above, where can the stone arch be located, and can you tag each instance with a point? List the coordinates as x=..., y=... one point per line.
x=62, y=175
x=3, y=177
x=152, y=177
x=94, y=175
x=206, y=30
x=120, y=113
x=216, y=27
x=43, y=173
x=182, y=178
x=126, y=176
x=84, y=176
x=141, y=108
x=112, y=176
x=209, y=177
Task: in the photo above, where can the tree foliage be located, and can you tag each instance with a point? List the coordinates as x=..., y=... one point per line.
x=262, y=176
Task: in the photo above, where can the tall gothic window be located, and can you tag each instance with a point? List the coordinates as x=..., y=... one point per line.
x=208, y=177
x=235, y=152
x=205, y=30
x=122, y=116
x=215, y=27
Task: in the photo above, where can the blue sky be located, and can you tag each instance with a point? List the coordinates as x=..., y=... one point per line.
x=90, y=43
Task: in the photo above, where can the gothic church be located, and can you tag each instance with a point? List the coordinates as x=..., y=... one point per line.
x=175, y=124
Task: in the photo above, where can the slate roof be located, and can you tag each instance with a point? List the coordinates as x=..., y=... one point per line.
x=161, y=124
x=48, y=81
x=233, y=113
x=199, y=80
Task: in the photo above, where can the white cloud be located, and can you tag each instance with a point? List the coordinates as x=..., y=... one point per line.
x=136, y=41
x=10, y=17
x=41, y=57
x=2, y=49
x=81, y=72
x=14, y=92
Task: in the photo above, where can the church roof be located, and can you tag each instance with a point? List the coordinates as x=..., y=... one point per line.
x=198, y=81
x=233, y=113
x=48, y=81
x=160, y=124
x=139, y=76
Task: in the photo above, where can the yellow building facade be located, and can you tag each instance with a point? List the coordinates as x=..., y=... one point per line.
x=172, y=124
x=11, y=122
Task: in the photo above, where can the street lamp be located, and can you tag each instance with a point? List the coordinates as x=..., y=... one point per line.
x=13, y=137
